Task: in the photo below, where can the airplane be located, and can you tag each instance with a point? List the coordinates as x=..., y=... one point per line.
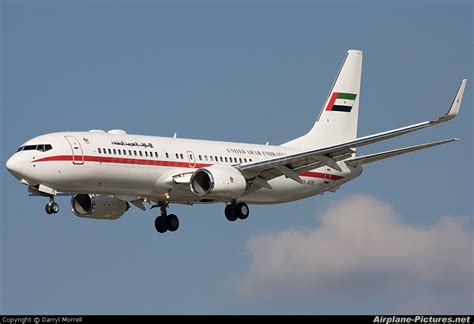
x=107, y=172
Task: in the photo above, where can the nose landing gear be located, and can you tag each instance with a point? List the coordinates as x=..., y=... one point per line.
x=52, y=207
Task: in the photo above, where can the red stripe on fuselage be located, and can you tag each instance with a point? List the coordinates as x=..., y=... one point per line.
x=332, y=101
x=103, y=159
x=55, y=158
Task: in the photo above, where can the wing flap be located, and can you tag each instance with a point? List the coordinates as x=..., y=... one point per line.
x=139, y=204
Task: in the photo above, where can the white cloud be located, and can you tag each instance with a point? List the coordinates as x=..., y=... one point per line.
x=363, y=248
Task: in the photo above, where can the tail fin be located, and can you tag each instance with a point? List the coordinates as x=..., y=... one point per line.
x=337, y=121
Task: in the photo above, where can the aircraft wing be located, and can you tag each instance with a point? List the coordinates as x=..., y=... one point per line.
x=293, y=164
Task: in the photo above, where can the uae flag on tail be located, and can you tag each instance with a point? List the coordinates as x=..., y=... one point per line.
x=341, y=101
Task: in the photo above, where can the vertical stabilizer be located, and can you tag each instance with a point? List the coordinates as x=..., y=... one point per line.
x=337, y=121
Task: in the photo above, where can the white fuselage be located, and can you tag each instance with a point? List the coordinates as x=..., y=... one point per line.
x=135, y=166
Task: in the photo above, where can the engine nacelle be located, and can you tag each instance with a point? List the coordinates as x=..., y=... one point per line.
x=98, y=206
x=218, y=182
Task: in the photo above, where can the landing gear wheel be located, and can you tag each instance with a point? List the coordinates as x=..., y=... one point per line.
x=230, y=213
x=160, y=224
x=165, y=222
x=51, y=208
x=48, y=209
x=242, y=210
x=172, y=222
x=54, y=207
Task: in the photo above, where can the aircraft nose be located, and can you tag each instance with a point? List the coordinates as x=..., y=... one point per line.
x=13, y=166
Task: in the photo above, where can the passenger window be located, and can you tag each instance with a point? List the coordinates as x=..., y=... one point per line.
x=245, y=160
x=140, y=152
x=119, y=151
x=167, y=155
x=146, y=153
x=130, y=152
x=212, y=160
x=240, y=160
x=216, y=159
x=115, y=152
x=200, y=158
x=182, y=157
x=226, y=158
x=156, y=154
x=205, y=157
x=100, y=151
x=249, y=160
x=222, y=160
x=110, y=151
x=177, y=156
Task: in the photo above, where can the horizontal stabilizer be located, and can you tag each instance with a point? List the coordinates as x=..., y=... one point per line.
x=384, y=155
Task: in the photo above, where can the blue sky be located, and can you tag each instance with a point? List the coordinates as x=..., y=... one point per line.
x=250, y=72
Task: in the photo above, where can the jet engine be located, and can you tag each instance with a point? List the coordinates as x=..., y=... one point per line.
x=98, y=206
x=218, y=182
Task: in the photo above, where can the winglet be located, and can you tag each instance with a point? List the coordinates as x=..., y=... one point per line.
x=454, y=109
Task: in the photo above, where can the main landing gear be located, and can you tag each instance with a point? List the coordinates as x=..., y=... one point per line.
x=51, y=207
x=166, y=222
x=234, y=211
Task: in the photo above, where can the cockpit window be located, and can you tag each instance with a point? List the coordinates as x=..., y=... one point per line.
x=44, y=147
x=40, y=147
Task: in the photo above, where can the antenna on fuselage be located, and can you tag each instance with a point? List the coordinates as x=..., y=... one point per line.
x=174, y=136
